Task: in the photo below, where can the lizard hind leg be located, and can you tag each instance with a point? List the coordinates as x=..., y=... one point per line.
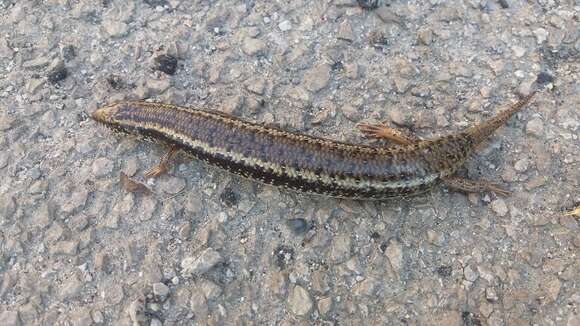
x=163, y=165
x=382, y=131
x=474, y=186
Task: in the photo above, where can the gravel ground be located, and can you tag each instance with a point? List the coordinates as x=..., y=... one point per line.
x=211, y=248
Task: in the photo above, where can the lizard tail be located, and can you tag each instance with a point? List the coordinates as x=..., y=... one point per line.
x=482, y=131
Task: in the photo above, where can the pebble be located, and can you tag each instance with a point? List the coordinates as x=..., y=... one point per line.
x=285, y=26
x=155, y=322
x=161, y=291
x=499, y=207
x=71, y=288
x=324, y=305
x=470, y=273
x=102, y=167
x=299, y=301
x=256, y=86
x=345, y=32
x=252, y=46
x=201, y=264
x=340, y=248
x=10, y=318
x=387, y=16
x=57, y=73
x=541, y=35
x=98, y=317
x=166, y=63
x=115, y=29
x=298, y=226
x=172, y=185
x=368, y=4
x=551, y=288
x=5, y=51
x=7, y=206
x=491, y=295
x=394, y=253
x=522, y=165
x=535, y=127
x=317, y=78
x=137, y=312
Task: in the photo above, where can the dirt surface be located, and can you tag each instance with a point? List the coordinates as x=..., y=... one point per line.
x=211, y=248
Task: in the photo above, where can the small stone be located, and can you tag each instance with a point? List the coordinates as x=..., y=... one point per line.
x=161, y=291
x=252, y=46
x=5, y=51
x=71, y=288
x=64, y=248
x=155, y=322
x=115, y=29
x=470, y=274
x=345, y=31
x=203, y=263
x=166, y=63
x=434, y=238
x=491, y=295
x=172, y=185
x=317, y=78
x=81, y=317
x=544, y=78
x=10, y=318
x=387, y=16
x=36, y=63
x=102, y=167
x=324, y=305
x=368, y=4
x=340, y=248
x=298, y=226
x=137, y=312
x=198, y=304
x=57, y=74
x=299, y=301
x=425, y=37
x=499, y=207
x=256, y=86
x=551, y=288
x=98, y=317
x=518, y=51
x=351, y=112
x=541, y=35
x=7, y=206
x=535, y=127
x=285, y=26
x=394, y=252
x=522, y=165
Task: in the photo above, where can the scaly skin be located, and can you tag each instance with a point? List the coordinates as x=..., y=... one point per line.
x=301, y=162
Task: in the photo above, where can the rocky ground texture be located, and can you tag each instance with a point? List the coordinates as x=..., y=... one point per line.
x=211, y=248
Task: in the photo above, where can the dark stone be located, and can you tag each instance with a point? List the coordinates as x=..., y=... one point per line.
x=166, y=63
x=504, y=4
x=68, y=53
x=470, y=319
x=230, y=197
x=155, y=3
x=383, y=247
x=375, y=236
x=283, y=256
x=298, y=226
x=57, y=74
x=444, y=271
x=368, y=4
x=544, y=78
x=115, y=82
x=337, y=66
